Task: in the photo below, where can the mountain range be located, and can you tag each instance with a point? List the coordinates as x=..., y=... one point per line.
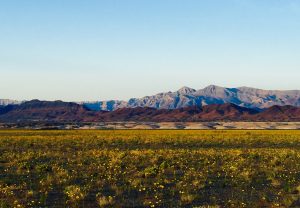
x=212, y=103
x=185, y=97
x=58, y=111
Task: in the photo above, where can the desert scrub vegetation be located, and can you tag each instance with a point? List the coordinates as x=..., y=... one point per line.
x=149, y=168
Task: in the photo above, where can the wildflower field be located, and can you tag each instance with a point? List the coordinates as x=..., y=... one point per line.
x=149, y=168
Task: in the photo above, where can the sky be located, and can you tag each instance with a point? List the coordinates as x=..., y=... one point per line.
x=90, y=50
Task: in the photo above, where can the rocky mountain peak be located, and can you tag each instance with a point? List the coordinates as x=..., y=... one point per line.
x=213, y=88
x=186, y=90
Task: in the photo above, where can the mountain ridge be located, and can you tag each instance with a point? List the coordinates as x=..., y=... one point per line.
x=212, y=94
x=184, y=97
x=59, y=111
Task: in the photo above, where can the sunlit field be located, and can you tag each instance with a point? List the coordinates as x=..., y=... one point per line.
x=149, y=168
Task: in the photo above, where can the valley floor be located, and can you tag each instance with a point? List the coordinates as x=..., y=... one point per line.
x=157, y=125
x=149, y=168
x=195, y=125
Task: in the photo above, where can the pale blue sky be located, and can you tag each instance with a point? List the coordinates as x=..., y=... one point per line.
x=117, y=49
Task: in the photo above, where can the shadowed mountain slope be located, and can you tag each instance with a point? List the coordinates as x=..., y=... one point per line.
x=279, y=113
x=193, y=113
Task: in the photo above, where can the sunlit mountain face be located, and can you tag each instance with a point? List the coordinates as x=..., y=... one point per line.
x=184, y=97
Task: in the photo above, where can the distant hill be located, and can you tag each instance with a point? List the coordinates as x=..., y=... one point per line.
x=279, y=113
x=58, y=111
x=36, y=110
x=185, y=97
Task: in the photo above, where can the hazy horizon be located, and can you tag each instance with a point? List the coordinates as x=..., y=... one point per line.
x=92, y=50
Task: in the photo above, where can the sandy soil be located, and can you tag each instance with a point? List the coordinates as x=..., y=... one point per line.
x=194, y=125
